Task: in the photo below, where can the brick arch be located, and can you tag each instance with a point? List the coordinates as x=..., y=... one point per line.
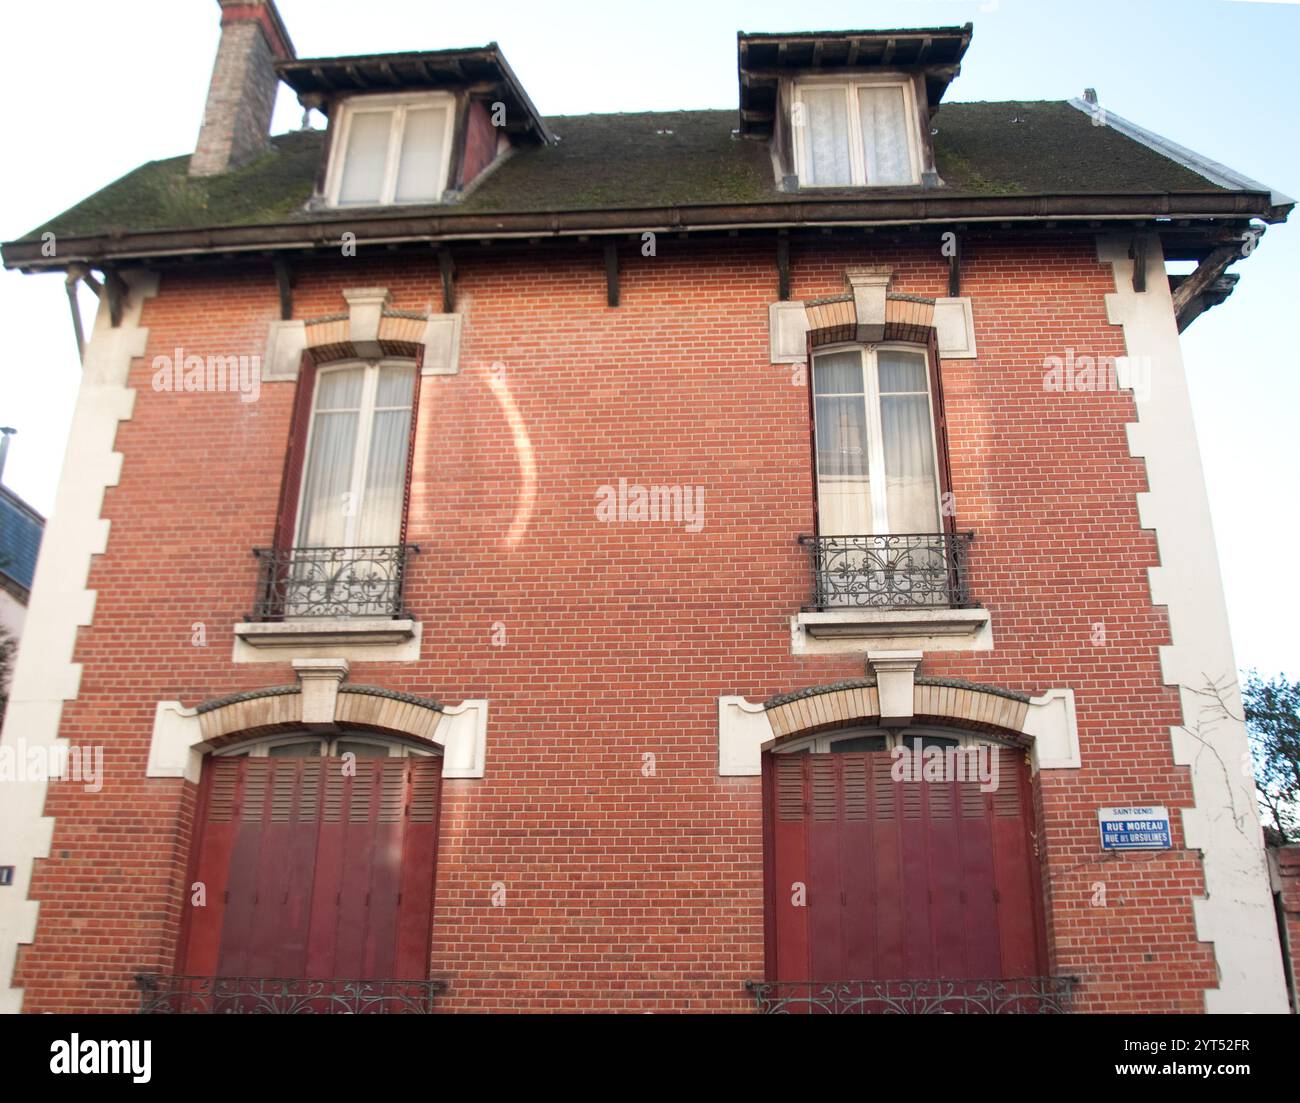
x=399, y=336
x=227, y=720
x=835, y=320
x=970, y=706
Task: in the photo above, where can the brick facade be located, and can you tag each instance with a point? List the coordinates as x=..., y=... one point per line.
x=625, y=891
x=1286, y=868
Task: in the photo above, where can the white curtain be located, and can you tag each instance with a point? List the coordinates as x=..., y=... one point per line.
x=327, y=488
x=843, y=459
x=367, y=157
x=826, y=135
x=882, y=112
x=381, y=504
x=417, y=174
x=908, y=442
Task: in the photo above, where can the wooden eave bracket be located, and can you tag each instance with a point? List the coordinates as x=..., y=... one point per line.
x=1207, y=272
x=1137, y=253
x=284, y=281
x=447, y=269
x=116, y=288
x=611, y=274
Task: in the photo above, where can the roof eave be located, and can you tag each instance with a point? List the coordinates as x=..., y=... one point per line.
x=316, y=77
x=389, y=227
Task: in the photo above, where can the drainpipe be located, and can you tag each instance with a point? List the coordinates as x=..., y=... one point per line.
x=77, y=273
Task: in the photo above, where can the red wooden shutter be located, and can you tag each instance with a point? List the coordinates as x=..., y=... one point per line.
x=905, y=880
x=312, y=872
x=295, y=454
x=949, y=518
x=790, y=866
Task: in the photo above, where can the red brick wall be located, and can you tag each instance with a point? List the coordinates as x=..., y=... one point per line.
x=625, y=891
x=1288, y=868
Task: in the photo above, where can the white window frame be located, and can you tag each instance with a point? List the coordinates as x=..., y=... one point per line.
x=894, y=737
x=398, y=104
x=327, y=744
x=875, y=433
x=857, y=155
x=361, y=453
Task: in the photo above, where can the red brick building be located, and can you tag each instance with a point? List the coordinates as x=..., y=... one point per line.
x=695, y=561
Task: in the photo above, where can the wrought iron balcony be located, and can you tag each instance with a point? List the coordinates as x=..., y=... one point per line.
x=176, y=995
x=890, y=572
x=1016, y=996
x=331, y=582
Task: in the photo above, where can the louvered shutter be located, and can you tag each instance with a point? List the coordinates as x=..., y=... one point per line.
x=905, y=879
x=314, y=871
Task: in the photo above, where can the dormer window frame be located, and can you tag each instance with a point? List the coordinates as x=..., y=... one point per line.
x=851, y=83
x=399, y=103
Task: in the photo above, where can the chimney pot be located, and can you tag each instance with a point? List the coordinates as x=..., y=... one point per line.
x=241, y=98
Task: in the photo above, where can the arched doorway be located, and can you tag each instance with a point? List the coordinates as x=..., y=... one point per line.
x=902, y=874
x=311, y=877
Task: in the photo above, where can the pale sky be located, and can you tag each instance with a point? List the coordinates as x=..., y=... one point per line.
x=92, y=92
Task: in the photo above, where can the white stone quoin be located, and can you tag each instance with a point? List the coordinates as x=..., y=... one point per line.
x=1236, y=913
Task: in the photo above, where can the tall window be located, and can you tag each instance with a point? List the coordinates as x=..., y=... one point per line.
x=856, y=134
x=876, y=461
x=354, y=479
x=391, y=149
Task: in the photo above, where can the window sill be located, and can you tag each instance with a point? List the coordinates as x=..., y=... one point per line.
x=352, y=631
x=927, y=629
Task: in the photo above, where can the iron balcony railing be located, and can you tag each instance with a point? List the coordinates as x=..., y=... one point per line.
x=1016, y=996
x=178, y=995
x=926, y=570
x=331, y=582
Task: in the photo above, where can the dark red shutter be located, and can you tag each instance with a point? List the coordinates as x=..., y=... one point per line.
x=905, y=880
x=312, y=872
x=949, y=518
x=295, y=454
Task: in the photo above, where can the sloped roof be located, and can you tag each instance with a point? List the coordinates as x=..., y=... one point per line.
x=618, y=165
x=21, y=528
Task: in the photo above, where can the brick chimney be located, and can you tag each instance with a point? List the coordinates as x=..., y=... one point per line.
x=237, y=117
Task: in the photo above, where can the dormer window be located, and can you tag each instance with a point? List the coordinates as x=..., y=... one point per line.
x=856, y=133
x=391, y=149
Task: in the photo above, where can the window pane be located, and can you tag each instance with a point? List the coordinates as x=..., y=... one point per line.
x=902, y=371
x=826, y=135
x=883, y=112
x=295, y=750
x=396, y=385
x=838, y=373
x=325, y=495
x=417, y=177
x=843, y=460
x=339, y=390
x=361, y=750
x=907, y=436
x=909, y=464
x=367, y=155
x=381, y=507
x=858, y=744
